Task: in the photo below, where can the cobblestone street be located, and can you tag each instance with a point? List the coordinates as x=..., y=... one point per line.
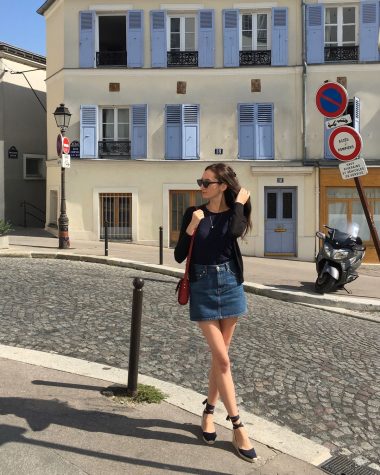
x=316, y=372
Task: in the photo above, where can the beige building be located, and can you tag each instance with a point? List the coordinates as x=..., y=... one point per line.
x=159, y=91
x=22, y=136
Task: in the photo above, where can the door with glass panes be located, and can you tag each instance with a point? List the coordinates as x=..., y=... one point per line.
x=280, y=222
x=179, y=201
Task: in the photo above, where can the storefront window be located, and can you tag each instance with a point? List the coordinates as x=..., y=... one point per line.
x=345, y=209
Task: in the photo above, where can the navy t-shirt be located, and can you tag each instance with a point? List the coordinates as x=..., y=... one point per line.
x=213, y=242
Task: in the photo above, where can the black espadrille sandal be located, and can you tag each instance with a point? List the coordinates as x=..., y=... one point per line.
x=208, y=437
x=247, y=455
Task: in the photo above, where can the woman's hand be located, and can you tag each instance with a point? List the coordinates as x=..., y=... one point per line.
x=197, y=217
x=243, y=196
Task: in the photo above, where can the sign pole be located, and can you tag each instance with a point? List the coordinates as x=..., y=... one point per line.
x=371, y=224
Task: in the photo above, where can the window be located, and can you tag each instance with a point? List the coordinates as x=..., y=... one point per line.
x=34, y=167
x=115, y=132
x=182, y=131
x=112, y=41
x=182, y=33
x=115, y=124
x=182, y=41
x=256, y=131
x=255, y=32
x=103, y=38
x=340, y=26
x=345, y=208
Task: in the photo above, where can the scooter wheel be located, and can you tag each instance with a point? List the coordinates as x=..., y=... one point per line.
x=325, y=284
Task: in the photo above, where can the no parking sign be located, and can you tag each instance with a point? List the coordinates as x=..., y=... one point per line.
x=331, y=99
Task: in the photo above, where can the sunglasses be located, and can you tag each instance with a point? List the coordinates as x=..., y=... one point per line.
x=206, y=183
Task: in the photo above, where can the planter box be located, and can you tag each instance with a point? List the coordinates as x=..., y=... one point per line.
x=4, y=242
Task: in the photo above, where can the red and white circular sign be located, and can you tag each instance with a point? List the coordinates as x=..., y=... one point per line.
x=345, y=143
x=65, y=145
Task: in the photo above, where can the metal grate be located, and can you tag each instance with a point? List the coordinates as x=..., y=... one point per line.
x=116, y=209
x=342, y=465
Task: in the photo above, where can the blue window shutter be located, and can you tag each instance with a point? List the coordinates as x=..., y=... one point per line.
x=356, y=117
x=87, y=39
x=231, y=38
x=139, y=131
x=88, y=131
x=315, y=34
x=190, y=131
x=246, y=131
x=369, y=31
x=135, y=39
x=206, y=39
x=279, y=36
x=158, y=39
x=327, y=133
x=173, y=133
x=264, y=137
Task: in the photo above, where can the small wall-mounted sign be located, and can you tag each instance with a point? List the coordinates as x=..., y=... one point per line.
x=255, y=85
x=218, y=151
x=181, y=87
x=280, y=180
x=114, y=87
x=12, y=152
x=75, y=149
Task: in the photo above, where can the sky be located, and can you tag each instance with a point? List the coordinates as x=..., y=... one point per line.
x=22, y=26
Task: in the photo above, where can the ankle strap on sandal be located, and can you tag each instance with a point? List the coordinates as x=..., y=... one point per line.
x=209, y=409
x=234, y=419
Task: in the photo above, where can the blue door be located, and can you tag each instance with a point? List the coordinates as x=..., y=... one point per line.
x=280, y=221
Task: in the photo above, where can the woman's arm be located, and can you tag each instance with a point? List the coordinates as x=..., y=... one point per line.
x=182, y=248
x=238, y=221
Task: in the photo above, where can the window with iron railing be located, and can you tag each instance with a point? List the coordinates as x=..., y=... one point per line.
x=115, y=133
x=255, y=47
x=182, y=41
x=341, y=35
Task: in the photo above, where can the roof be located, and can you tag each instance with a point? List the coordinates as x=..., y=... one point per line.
x=10, y=50
x=45, y=6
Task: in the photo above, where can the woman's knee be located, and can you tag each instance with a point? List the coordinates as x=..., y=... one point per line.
x=222, y=362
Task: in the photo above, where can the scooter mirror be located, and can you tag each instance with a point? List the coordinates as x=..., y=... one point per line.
x=320, y=235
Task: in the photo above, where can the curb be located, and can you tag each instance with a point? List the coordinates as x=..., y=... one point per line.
x=265, y=432
x=331, y=303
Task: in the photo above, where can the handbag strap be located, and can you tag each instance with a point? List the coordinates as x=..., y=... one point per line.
x=189, y=255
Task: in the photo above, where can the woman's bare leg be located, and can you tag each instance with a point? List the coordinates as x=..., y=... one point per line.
x=222, y=374
x=227, y=327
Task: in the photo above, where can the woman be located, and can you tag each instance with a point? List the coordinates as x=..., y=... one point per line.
x=217, y=296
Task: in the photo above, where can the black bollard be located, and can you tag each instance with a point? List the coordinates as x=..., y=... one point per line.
x=106, y=238
x=134, y=348
x=161, y=246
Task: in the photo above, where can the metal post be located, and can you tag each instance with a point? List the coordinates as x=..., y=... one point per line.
x=106, y=238
x=24, y=205
x=63, y=220
x=161, y=246
x=371, y=224
x=134, y=348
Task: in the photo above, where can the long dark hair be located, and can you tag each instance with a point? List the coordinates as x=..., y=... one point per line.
x=225, y=174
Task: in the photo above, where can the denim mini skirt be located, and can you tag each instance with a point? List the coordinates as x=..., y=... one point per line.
x=215, y=292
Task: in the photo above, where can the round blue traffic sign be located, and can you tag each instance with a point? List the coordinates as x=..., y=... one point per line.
x=331, y=99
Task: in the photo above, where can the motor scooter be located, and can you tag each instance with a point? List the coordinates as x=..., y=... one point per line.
x=338, y=259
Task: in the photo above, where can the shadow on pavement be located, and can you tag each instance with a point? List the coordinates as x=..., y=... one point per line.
x=15, y=434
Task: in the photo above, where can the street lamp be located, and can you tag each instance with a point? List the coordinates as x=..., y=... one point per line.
x=62, y=117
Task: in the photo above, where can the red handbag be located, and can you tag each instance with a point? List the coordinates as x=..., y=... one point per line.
x=183, y=286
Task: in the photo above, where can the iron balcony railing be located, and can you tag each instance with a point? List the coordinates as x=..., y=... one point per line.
x=255, y=58
x=120, y=149
x=111, y=58
x=182, y=58
x=341, y=53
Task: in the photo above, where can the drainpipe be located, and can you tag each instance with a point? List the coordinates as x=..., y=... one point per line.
x=304, y=81
x=304, y=134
